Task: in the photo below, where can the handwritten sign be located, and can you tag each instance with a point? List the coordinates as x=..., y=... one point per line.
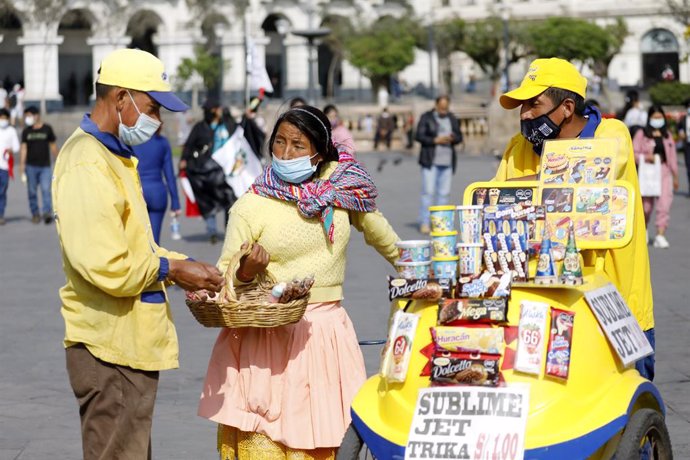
x=469, y=423
x=619, y=324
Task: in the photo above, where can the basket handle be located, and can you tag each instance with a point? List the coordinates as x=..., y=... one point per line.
x=233, y=265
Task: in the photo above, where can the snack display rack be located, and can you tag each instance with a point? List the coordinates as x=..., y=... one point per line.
x=498, y=334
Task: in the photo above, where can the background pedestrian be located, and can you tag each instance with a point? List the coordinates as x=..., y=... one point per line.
x=9, y=146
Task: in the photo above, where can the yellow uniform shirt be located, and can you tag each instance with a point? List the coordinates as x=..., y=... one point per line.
x=628, y=267
x=113, y=302
x=298, y=246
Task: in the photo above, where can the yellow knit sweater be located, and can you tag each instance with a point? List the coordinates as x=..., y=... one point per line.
x=298, y=246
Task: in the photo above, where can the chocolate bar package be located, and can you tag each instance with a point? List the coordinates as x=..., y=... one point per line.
x=432, y=289
x=454, y=312
x=449, y=368
x=560, y=343
x=486, y=284
x=468, y=339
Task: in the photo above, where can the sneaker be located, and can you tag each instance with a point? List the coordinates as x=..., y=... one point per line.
x=213, y=239
x=47, y=219
x=424, y=229
x=661, y=242
x=35, y=219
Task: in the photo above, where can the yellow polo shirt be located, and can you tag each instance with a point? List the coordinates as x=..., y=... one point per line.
x=628, y=267
x=114, y=301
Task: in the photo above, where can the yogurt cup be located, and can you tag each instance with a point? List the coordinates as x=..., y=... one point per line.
x=470, y=223
x=413, y=270
x=445, y=267
x=414, y=250
x=444, y=243
x=442, y=218
x=470, y=255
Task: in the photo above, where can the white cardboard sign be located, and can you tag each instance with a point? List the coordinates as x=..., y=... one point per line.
x=619, y=324
x=474, y=423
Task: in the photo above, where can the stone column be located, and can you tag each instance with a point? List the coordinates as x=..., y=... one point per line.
x=174, y=46
x=233, y=54
x=41, y=80
x=297, y=50
x=100, y=48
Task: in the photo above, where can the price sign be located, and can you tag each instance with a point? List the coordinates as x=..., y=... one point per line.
x=471, y=423
x=619, y=324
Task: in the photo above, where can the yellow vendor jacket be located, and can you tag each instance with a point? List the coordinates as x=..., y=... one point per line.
x=114, y=301
x=628, y=267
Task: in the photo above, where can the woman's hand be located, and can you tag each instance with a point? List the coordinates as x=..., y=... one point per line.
x=649, y=158
x=676, y=185
x=175, y=213
x=253, y=263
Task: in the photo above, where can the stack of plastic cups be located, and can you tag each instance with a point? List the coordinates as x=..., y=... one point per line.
x=470, y=246
x=415, y=259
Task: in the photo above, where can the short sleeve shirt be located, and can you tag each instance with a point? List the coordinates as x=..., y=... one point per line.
x=38, y=142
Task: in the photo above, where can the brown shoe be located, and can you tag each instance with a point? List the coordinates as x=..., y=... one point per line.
x=35, y=219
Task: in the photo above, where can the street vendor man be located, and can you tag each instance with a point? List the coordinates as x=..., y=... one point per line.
x=119, y=331
x=551, y=100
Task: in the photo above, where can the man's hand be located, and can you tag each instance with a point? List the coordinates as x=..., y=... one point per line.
x=192, y=276
x=443, y=139
x=182, y=165
x=253, y=263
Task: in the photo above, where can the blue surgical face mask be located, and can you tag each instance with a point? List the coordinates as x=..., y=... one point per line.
x=143, y=129
x=294, y=171
x=657, y=123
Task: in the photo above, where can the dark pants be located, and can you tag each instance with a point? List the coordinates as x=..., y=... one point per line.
x=383, y=136
x=39, y=177
x=4, y=182
x=645, y=366
x=115, y=406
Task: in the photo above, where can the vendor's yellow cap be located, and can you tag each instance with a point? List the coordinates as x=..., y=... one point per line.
x=541, y=75
x=141, y=71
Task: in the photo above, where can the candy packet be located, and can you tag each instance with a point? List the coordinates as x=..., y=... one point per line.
x=469, y=339
x=454, y=312
x=560, y=343
x=479, y=369
x=398, y=349
x=531, y=333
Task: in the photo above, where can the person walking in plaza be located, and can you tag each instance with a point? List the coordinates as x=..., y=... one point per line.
x=551, y=100
x=16, y=103
x=438, y=132
x=683, y=131
x=206, y=176
x=157, y=176
x=634, y=115
x=285, y=393
x=9, y=146
x=342, y=137
x=38, y=146
x=657, y=139
x=385, y=125
x=119, y=331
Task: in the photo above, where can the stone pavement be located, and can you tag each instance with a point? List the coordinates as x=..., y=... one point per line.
x=38, y=413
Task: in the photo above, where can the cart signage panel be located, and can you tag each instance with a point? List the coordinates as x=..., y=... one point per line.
x=469, y=423
x=619, y=324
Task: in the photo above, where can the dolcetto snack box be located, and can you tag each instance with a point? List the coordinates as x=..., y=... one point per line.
x=421, y=289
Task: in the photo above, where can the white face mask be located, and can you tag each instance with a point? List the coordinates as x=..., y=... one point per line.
x=142, y=131
x=4, y=123
x=657, y=123
x=29, y=121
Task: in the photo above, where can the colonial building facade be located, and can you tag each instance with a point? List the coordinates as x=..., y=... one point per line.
x=55, y=46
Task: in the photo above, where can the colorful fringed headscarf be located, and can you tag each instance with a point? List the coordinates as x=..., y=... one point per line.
x=349, y=187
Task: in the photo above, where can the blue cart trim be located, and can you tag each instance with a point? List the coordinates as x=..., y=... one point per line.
x=379, y=446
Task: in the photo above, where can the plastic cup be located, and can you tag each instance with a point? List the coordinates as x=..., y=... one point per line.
x=442, y=218
x=470, y=218
x=470, y=255
x=445, y=267
x=413, y=270
x=414, y=250
x=444, y=243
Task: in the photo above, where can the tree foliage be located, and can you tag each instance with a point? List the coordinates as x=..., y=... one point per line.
x=680, y=10
x=204, y=65
x=670, y=93
x=484, y=43
x=383, y=48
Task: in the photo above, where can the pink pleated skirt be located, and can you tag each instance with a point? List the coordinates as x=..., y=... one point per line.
x=292, y=383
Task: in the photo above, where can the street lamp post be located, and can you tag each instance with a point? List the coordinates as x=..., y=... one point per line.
x=505, y=16
x=311, y=35
x=283, y=27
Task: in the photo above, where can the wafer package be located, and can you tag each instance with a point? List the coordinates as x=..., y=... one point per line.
x=432, y=289
x=469, y=339
x=398, y=349
x=479, y=369
x=531, y=336
x=560, y=343
x=454, y=312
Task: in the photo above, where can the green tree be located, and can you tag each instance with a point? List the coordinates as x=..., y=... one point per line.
x=383, y=49
x=341, y=29
x=204, y=67
x=449, y=36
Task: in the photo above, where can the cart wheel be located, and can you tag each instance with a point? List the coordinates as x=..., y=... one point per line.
x=351, y=445
x=645, y=437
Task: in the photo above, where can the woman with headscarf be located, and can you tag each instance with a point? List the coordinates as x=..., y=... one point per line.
x=285, y=392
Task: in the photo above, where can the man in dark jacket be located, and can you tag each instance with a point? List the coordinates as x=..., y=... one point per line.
x=206, y=177
x=684, y=135
x=439, y=132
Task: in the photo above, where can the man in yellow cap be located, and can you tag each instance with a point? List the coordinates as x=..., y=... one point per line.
x=551, y=98
x=118, y=327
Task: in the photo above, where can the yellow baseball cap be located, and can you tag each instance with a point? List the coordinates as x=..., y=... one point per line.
x=141, y=71
x=541, y=75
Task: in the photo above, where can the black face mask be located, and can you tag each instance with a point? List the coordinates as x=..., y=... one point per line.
x=540, y=129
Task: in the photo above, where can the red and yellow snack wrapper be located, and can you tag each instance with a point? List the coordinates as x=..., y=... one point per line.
x=479, y=369
x=469, y=339
x=560, y=343
x=398, y=350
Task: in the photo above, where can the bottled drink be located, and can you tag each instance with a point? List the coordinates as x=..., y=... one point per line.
x=175, y=229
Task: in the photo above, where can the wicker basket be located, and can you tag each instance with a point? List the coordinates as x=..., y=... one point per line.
x=246, y=305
